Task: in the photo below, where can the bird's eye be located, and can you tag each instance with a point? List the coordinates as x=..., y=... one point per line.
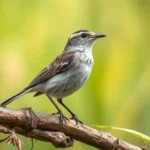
x=83, y=35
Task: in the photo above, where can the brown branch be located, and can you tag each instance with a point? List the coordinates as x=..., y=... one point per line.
x=50, y=129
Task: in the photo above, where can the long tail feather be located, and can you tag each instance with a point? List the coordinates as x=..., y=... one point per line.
x=8, y=101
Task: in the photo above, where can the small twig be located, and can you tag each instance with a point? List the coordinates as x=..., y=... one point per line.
x=12, y=138
x=32, y=144
x=144, y=147
x=2, y=140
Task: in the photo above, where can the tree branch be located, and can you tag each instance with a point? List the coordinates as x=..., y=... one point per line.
x=49, y=128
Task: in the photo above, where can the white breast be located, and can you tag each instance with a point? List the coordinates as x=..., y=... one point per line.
x=70, y=81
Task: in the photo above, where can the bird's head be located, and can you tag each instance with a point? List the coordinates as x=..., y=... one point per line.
x=82, y=40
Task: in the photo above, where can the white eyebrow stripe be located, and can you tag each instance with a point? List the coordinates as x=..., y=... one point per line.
x=75, y=35
x=78, y=34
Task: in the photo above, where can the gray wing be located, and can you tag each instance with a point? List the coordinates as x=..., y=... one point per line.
x=62, y=63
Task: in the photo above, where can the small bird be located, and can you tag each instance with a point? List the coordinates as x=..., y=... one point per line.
x=66, y=74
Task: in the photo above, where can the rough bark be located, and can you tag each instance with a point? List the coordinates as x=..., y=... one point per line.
x=48, y=128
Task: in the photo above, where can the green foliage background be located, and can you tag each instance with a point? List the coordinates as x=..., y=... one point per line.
x=34, y=32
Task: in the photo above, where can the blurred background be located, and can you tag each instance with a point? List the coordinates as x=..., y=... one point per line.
x=34, y=32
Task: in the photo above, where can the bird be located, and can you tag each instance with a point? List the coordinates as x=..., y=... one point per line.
x=66, y=74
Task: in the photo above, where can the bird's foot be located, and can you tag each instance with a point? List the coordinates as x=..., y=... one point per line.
x=61, y=116
x=76, y=119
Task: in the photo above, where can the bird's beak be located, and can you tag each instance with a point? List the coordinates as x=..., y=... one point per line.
x=99, y=35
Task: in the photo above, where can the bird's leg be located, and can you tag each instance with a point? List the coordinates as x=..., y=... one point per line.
x=58, y=109
x=72, y=114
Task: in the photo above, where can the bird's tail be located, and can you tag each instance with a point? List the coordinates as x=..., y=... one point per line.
x=8, y=101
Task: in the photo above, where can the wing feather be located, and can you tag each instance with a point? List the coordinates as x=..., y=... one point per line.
x=62, y=63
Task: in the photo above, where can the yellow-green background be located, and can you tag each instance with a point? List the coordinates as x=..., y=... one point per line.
x=34, y=32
